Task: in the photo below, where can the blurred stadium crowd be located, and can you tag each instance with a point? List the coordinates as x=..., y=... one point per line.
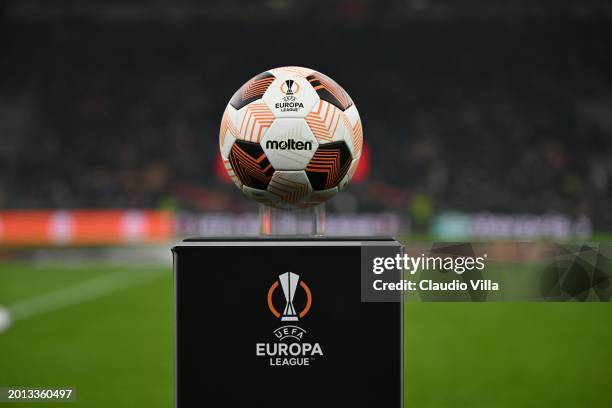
x=482, y=112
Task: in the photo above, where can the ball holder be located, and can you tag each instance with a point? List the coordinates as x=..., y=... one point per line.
x=303, y=222
x=277, y=321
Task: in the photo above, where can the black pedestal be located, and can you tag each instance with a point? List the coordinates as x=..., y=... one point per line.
x=279, y=323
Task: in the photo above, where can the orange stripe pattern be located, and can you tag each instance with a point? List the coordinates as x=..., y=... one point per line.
x=231, y=173
x=323, y=121
x=328, y=166
x=316, y=199
x=357, y=133
x=250, y=164
x=227, y=124
x=263, y=197
x=256, y=120
x=252, y=90
x=287, y=190
x=300, y=71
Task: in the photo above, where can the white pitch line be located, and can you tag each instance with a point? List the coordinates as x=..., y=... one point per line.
x=80, y=292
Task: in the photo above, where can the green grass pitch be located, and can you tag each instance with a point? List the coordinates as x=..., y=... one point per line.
x=114, y=345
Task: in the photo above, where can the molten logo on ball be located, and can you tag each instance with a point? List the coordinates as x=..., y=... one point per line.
x=289, y=144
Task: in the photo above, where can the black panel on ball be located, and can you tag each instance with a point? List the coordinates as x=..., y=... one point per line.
x=250, y=164
x=252, y=90
x=330, y=91
x=329, y=165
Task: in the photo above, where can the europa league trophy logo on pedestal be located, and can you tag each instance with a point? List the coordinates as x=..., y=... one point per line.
x=289, y=282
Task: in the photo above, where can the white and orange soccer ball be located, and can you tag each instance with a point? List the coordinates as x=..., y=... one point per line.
x=291, y=137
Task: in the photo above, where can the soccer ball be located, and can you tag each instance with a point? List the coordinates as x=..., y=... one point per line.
x=291, y=137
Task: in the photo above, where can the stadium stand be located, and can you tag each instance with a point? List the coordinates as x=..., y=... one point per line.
x=475, y=112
